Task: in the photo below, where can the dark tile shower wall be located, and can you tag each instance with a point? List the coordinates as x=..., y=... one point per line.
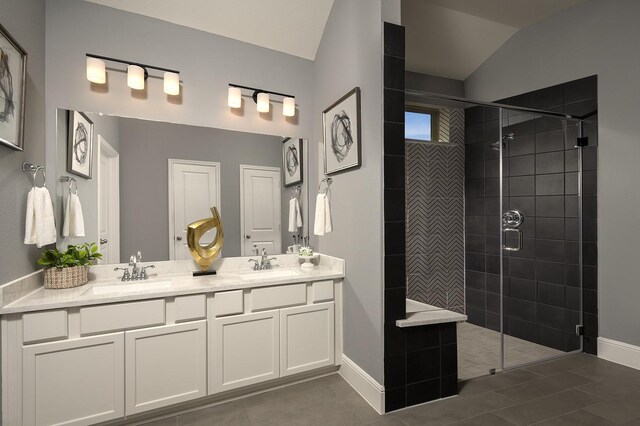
x=435, y=215
x=420, y=363
x=540, y=170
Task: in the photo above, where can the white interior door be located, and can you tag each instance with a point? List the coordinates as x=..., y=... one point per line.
x=108, y=202
x=260, y=209
x=194, y=187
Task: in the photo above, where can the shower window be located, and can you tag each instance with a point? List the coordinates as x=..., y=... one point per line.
x=421, y=124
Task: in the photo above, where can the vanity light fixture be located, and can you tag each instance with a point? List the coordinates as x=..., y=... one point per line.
x=137, y=73
x=262, y=99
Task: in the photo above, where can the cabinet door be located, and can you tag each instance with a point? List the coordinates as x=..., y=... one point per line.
x=74, y=382
x=307, y=338
x=243, y=350
x=165, y=365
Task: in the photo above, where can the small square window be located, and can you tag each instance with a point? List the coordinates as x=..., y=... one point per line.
x=420, y=125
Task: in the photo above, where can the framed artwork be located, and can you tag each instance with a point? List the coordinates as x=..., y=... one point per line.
x=13, y=71
x=341, y=133
x=80, y=145
x=292, y=161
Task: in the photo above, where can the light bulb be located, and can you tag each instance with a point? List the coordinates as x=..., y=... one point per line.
x=235, y=97
x=263, y=102
x=96, y=71
x=135, y=77
x=289, y=107
x=171, y=83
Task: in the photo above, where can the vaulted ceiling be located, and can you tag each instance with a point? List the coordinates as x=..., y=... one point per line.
x=451, y=38
x=291, y=26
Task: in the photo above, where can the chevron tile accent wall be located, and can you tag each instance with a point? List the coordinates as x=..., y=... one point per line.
x=435, y=215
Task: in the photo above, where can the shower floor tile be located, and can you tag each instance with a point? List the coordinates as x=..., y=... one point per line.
x=479, y=351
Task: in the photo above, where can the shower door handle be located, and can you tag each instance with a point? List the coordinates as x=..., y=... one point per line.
x=507, y=231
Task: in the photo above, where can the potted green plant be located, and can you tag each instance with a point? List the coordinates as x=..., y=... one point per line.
x=67, y=269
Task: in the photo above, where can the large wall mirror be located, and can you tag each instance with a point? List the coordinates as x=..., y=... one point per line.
x=141, y=182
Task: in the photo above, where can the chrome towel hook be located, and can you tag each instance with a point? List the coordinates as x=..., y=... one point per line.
x=28, y=167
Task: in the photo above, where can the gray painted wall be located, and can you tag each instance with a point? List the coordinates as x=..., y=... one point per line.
x=598, y=37
x=24, y=20
x=108, y=128
x=349, y=55
x=145, y=149
x=432, y=83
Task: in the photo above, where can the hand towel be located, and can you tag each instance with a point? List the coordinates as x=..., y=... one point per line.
x=323, y=224
x=295, y=218
x=73, y=218
x=40, y=226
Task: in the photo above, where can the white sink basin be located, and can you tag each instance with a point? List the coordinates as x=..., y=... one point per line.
x=126, y=288
x=268, y=275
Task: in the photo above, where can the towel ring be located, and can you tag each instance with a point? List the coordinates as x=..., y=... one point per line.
x=296, y=192
x=328, y=182
x=35, y=175
x=71, y=182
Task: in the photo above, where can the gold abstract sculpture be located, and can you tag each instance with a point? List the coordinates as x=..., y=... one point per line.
x=204, y=256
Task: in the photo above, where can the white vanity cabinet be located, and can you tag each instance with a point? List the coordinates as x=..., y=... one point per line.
x=73, y=382
x=244, y=350
x=307, y=338
x=87, y=364
x=165, y=365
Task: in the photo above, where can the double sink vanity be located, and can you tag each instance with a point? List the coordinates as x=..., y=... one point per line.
x=111, y=349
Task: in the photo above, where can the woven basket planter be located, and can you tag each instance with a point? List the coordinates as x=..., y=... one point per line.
x=65, y=277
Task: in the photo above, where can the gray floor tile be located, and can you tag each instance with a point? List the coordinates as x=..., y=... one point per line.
x=619, y=410
x=230, y=413
x=602, y=369
x=579, y=417
x=497, y=381
x=487, y=419
x=544, y=386
x=613, y=387
x=547, y=407
x=562, y=365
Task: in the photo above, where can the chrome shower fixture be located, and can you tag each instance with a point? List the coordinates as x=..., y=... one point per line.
x=496, y=145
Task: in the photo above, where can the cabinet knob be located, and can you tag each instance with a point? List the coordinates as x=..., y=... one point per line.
x=103, y=241
x=179, y=238
x=248, y=237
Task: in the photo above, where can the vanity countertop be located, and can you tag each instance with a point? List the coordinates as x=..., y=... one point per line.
x=181, y=284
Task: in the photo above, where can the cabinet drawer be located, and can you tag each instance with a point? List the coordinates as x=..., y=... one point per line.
x=279, y=296
x=228, y=303
x=188, y=308
x=322, y=291
x=123, y=316
x=42, y=326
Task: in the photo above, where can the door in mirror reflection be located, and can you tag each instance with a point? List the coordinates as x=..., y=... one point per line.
x=260, y=209
x=195, y=188
x=109, y=200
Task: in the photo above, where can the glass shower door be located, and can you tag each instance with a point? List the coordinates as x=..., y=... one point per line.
x=540, y=236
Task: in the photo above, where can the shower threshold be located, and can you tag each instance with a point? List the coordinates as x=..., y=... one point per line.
x=419, y=313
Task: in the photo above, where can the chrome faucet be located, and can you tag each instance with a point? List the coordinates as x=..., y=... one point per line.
x=265, y=261
x=137, y=272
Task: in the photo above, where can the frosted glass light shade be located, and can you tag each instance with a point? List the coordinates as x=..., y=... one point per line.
x=171, y=83
x=289, y=107
x=235, y=97
x=135, y=77
x=96, y=71
x=263, y=102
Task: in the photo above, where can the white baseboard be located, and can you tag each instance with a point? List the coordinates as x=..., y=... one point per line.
x=364, y=384
x=619, y=352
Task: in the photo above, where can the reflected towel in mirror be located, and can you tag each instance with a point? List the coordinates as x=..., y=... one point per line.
x=295, y=218
x=73, y=219
x=40, y=226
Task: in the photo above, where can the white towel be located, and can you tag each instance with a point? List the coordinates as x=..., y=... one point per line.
x=295, y=218
x=40, y=226
x=73, y=219
x=323, y=223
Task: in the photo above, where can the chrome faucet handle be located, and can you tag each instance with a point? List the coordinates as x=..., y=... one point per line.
x=256, y=265
x=267, y=263
x=139, y=256
x=143, y=271
x=126, y=276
